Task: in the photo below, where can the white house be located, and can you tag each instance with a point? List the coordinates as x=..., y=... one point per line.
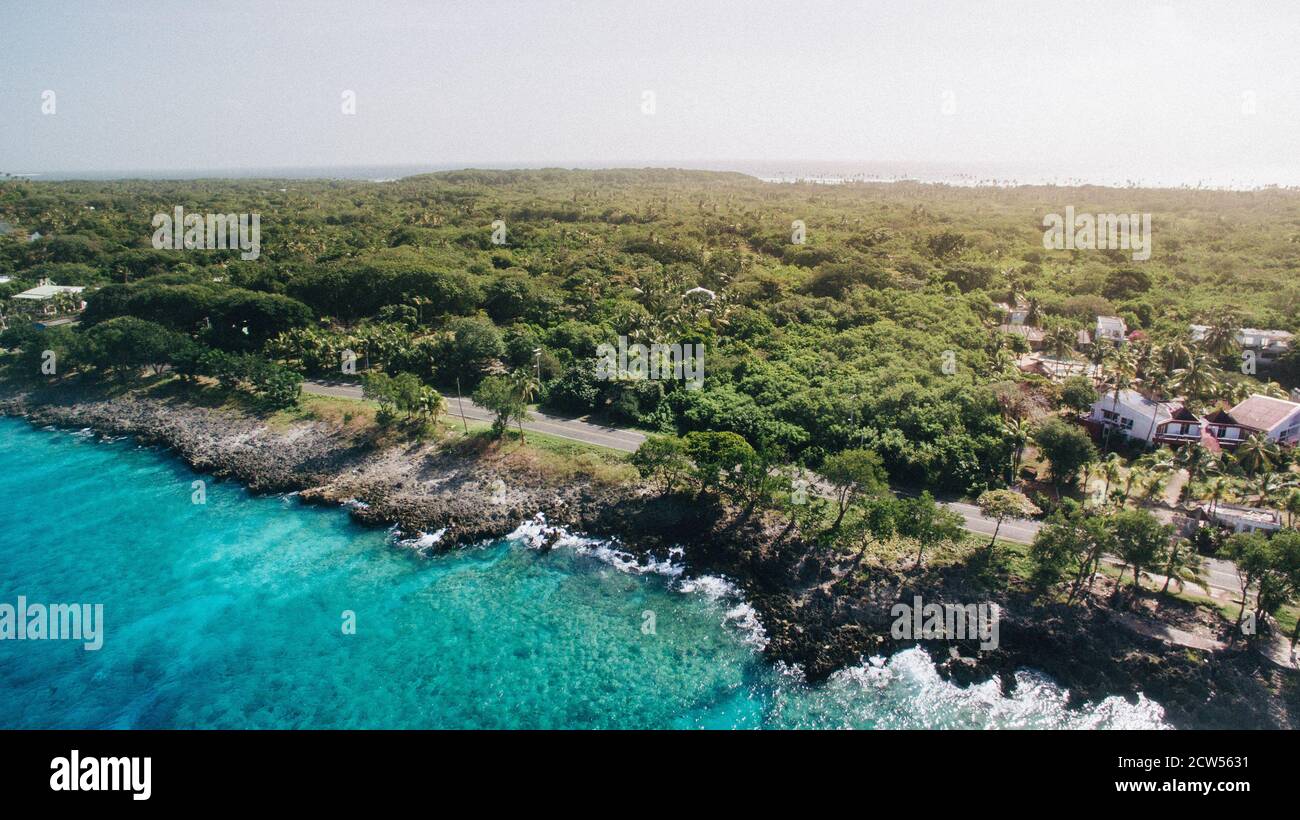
x=1015, y=315
x=1183, y=427
x=1111, y=328
x=1132, y=414
x=1277, y=419
x=1243, y=519
x=41, y=299
x=1267, y=345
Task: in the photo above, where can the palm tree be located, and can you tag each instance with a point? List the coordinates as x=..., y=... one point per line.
x=1198, y=380
x=1197, y=461
x=1144, y=353
x=1219, y=490
x=1269, y=485
x=1235, y=391
x=1014, y=429
x=420, y=302
x=1160, y=461
x=1175, y=354
x=1060, y=342
x=1136, y=475
x=1122, y=376
x=525, y=385
x=64, y=302
x=1220, y=338
x=1182, y=563
x=1257, y=453
x=1271, y=389
x=1157, y=384
x=1152, y=484
x=1110, y=470
x=1291, y=505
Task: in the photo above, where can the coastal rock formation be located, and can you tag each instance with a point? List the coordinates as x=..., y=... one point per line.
x=815, y=615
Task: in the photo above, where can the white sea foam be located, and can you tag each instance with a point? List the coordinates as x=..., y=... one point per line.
x=902, y=691
x=535, y=532
x=422, y=540
x=739, y=614
x=907, y=691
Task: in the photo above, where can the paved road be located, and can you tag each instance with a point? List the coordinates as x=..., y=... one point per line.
x=1021, y=532
x=1222, y=574
x=628, y=440
x=573, y=429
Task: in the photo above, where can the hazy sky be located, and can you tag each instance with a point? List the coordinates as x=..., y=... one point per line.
x=1135, y=87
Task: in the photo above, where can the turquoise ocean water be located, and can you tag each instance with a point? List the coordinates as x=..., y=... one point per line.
x=229, y=614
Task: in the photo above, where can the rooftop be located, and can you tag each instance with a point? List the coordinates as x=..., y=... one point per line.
x=1249, y=336
x=1221, y=416
x=1057, y=368
x=1111, y=324
x=1033, y=334
x=1263, y=412
x=1253, y=514
x=1162, y=410
x=44, y=292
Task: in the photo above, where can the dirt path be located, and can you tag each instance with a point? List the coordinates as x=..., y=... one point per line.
x=1174, y=489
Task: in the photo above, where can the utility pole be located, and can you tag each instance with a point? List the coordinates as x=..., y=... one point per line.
x=461, y=403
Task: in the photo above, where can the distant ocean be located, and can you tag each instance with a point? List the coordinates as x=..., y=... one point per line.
x=230, y=614
x=821, y=171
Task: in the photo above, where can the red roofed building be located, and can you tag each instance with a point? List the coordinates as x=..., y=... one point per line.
x=1226, y=429
x=1183, y=427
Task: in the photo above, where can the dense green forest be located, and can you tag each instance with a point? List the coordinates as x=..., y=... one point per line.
x=878, y=331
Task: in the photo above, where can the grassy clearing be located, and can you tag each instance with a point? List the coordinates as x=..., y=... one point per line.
x=355, y=415
x=549, y=457
x=1284, y=620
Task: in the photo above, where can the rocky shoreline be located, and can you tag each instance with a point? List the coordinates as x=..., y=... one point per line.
x=813, y=616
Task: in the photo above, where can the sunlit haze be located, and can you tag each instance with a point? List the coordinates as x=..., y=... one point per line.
x=1172, y=93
